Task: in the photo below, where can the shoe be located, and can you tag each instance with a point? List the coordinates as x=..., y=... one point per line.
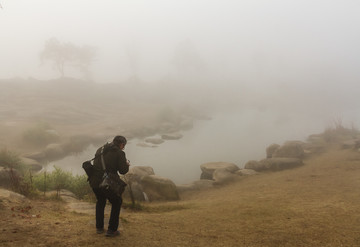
x=110, y=233
x=100, y=230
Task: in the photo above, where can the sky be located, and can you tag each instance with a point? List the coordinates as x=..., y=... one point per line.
x=256, y=41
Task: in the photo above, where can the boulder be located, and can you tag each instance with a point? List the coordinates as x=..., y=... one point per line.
x=246, y=172
x=137, y=172
x=208, y=169
x=277, y=164
x=10, y=196
x=223, y=175
x=291, y=149
x=174, y=136
x=159, y=188
x=351, y=144
x=271, y=149
x=136, y=190
x=154, y=140
x=252, y=165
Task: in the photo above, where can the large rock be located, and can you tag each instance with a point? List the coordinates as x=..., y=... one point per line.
x=137, y=172
x=173, y=136
x=136, y=190
x=154, y=140
x=291, y=149
x=253, y=165
x=271, y=149
x=10, y=196
x=159, y=188
x=208, y=169
x=223, y=175
x=274, y=164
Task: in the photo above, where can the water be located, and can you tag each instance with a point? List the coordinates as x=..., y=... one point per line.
x=228, y=137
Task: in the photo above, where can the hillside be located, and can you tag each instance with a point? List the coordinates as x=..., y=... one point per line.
x=317, y=204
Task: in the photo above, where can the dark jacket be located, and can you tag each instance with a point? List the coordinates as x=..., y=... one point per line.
x=114, y=159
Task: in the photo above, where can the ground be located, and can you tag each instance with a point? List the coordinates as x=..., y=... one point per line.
x=317, y=204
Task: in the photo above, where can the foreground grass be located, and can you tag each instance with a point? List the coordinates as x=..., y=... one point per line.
x=314, y=205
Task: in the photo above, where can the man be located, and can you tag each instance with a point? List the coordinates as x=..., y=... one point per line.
x=115, y=161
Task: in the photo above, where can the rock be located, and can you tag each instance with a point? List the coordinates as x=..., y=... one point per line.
x=11, y=196
x=174, y=136
x=277, y=164
x=32, y=164
x=271, y=149
x=246, y=172
x=223, y=175
x=196, y=185
x=159, y=188
x=209, y=168
x=145, y=145
x=136, y=190
x=351, y=144
x=252, y=165
x=154, y=140
x=291, y=149
x=137, y=172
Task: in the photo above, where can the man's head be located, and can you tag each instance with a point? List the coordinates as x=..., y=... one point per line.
x=120, y=141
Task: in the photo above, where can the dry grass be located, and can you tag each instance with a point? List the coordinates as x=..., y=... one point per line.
x=314, y=205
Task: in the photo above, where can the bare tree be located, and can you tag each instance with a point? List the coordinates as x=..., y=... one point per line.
x=68, y=54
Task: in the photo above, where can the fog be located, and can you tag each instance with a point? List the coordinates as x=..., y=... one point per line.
x=293, y=64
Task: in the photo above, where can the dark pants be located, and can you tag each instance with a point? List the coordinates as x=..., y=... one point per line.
x=116, y=201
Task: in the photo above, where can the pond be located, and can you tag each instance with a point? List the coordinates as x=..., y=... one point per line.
x=228, y=137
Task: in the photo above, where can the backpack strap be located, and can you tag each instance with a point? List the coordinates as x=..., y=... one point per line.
x=102, y=159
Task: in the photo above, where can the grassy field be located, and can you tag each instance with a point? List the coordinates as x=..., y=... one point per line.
x=317, y=204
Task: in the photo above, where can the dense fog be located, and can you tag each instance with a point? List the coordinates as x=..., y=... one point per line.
x=282, y=69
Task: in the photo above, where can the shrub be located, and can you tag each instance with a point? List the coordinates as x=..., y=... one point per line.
x=11, y=159
x=60, y=179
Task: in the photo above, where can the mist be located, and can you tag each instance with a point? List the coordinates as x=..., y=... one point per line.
x=276, y=70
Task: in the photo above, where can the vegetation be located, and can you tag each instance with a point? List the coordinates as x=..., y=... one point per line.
x=62, y=54
x=10, y=159
x=337, y=132
x=60, y=179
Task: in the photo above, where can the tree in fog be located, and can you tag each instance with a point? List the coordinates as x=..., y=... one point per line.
x=62, y=55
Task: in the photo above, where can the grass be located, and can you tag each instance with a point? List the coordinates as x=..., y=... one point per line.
x=313, y=205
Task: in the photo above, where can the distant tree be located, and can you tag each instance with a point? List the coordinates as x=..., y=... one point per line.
x=67, y=54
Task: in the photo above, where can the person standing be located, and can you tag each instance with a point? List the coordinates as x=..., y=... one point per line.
x=115, y=162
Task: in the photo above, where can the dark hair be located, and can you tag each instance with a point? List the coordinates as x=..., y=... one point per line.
x=119, y=140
